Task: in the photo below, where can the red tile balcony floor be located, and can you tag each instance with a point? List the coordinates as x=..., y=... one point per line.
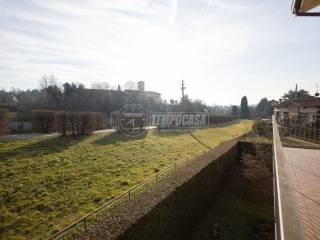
x=304, y=173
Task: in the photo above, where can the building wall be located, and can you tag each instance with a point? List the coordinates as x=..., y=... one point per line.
x=312, y=110
x=293, y=110
x=155, y=96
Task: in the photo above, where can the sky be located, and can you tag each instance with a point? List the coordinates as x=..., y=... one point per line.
x=222, y=49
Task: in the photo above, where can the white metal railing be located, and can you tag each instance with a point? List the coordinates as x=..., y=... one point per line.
x=287, y=224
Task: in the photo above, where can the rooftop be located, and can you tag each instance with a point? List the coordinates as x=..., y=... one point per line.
x=306, y=102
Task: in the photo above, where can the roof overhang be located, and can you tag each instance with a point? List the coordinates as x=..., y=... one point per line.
x=303, y=7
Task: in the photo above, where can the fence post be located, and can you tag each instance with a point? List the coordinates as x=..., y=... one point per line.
x=315, y=128
x=129, y=194
x=295, y=127
x=85, y=224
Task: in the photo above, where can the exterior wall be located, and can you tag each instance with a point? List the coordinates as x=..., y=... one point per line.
x=293, y=110
x=155, y=96
x=147, y=94
x=312, y=110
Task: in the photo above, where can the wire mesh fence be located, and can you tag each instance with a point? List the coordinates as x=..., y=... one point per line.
x=302, y=126
x=87, y=221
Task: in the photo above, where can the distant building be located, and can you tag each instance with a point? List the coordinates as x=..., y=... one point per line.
x=299, y=106
x=155, y=96
x=141, y=86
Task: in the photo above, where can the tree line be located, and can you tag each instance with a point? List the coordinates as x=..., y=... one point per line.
x=101, y=98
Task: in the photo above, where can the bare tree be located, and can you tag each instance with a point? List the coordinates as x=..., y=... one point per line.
x=52, y=92
x=47, y=81
x=100, y=85
x=130, y=85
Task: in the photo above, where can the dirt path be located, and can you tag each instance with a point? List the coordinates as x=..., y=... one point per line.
x=27, y=136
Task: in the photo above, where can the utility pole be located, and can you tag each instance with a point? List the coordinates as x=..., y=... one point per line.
x=296, y=92
x=182, y=99
x=182, y=88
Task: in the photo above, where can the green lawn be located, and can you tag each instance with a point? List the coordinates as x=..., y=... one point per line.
x=48, y=183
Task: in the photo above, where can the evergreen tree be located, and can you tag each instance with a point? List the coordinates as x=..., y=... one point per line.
x=264, y=108
x=244, y=109
x=235, y=110
x=292, y=95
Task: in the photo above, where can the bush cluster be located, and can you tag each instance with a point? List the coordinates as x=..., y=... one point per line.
x=214, y=119
x=64, y=122
x=43, y=121
x=3, y=121
x=262, y=128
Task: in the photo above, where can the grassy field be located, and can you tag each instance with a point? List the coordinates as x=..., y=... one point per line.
x=48, y=183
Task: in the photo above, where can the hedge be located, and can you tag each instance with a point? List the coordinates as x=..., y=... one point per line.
x=61, y=122
x=3, y=121
x=75, y=123
x=214, y=119
x=43, y=121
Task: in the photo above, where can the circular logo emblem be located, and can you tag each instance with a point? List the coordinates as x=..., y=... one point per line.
x=133, y=120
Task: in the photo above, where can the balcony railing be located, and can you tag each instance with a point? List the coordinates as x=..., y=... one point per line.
x=302, y=126
x=287, y=224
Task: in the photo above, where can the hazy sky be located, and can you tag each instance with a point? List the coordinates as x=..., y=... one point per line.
x=223, y=49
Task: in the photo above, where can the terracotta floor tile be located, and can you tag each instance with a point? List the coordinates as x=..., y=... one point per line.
x=304, y=172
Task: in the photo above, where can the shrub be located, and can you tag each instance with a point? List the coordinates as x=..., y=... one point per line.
x=88, y=122
x=74, y=122
x=261, y=128
x=43, y=121
x=100, y=121
x=61, y=122
x=3, y=121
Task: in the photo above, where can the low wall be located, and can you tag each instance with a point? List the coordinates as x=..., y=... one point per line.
x=175, y=216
